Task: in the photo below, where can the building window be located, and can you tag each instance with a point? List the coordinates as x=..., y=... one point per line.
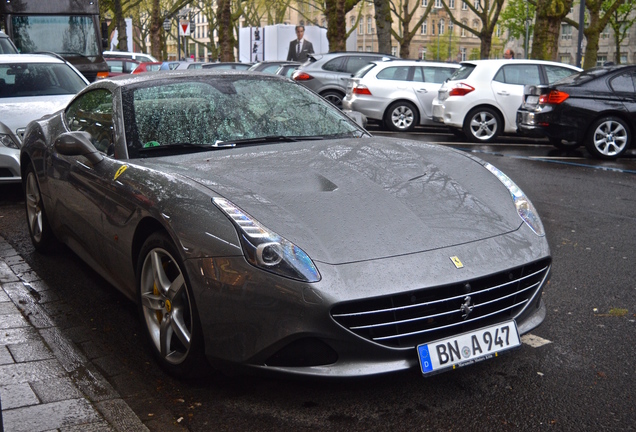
x=438, y=4
x=360, y=48
x=606, y=32
x=361, y=27
x=623, y=58
x=422, y=53
x=565, y=59
x=566, y=31
x=368, y=48
x=441, y=27
x=424, y=27
x=464, y=5
x=477, y=5
x=394, y=51
x=369, y=25
x=450, y=27
x=463, y=32
x=451, y=4
x=462, y=52
x=424, y=3
x=433, y=27
x=353, y=22
x=601, y=60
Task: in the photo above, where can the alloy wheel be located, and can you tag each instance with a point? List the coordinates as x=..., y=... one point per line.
x=610, y=138
x=34, y=207
x=166, y=305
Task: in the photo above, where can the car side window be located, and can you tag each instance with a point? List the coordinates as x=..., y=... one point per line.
x=93, y=113
x=623, y=83
x=398, y=73
x=437, y=75
x=355, y=63
x=520, y=74
x=335, y=65
x=556, y=73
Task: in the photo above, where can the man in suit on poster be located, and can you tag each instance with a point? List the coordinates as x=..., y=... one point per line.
x=300, y=47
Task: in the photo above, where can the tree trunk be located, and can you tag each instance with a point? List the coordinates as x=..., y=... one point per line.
x=337, y=27
x=226, y=33
x=122, y=40
x=547, y=27
x=155, y=30
x=383, y=23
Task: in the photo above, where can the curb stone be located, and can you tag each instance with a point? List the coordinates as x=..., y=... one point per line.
x=46, y=384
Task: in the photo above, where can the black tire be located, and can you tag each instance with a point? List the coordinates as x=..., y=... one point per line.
x=564, y=145
x=167, y=309
x=608, y=138
x=39, y=229
x=483, y=125
x=401, y=117
x=333, y=96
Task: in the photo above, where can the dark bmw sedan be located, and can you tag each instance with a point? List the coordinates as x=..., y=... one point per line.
x=595, y=108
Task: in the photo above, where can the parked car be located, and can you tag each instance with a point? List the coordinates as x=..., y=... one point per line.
x=31, y=86
x=398, y=93
x=287, y=70
x=147, y=67
x=272, y=66
x=256, y=224
x=596, y=107
x=328, y=74
x=482, y=97
x=227, y=65
x=140, y=57
x=120, y=66
x=6, y=44
x=180, y=65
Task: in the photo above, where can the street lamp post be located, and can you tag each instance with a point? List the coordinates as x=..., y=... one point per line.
x=527, y=28
x=579, y=55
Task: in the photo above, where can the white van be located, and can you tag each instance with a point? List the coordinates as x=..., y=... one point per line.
x=140, y=57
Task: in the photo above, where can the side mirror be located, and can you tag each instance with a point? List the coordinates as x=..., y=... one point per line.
x=78, y=144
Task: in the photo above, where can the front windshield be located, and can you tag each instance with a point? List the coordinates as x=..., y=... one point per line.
x=67, y=35
x=224, y=110
x=38, y=79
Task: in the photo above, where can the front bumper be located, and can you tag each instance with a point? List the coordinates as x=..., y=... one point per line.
x=9, y=165
x=258, y=320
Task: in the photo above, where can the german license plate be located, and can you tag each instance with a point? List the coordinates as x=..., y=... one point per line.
x=532, y=99
x=468, y=348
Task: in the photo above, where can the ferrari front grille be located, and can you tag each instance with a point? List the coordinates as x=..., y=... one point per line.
x=408, y=319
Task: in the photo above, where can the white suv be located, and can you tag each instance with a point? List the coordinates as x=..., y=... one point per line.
x=481, y=99
x=398, y=92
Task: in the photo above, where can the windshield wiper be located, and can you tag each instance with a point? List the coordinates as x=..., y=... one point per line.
x=273, y=138
x=153, y=147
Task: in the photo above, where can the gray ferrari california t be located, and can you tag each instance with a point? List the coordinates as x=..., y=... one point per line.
x=256, y=224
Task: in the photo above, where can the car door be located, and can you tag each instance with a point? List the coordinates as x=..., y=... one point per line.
x=507, y=86
x=624, y=86
x=77, y=185
x=426, y=83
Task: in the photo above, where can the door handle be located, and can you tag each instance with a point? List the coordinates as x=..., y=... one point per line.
x=422, y=90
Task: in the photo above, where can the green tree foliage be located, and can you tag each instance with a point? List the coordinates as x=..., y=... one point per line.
x=514, y=18
x=621, y=21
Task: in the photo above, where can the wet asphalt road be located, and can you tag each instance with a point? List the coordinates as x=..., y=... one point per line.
x=582, y=378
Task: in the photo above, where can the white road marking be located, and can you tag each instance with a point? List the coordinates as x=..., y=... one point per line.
x=534, y=341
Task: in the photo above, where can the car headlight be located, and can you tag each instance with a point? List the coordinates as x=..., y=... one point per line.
x=526, y=210
x=8, y=141
x=267, y=250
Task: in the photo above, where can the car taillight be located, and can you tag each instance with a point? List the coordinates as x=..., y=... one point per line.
x=554, y=97
x=102, y=75
x=361, y=90
x=460, y=89
x=301, y=76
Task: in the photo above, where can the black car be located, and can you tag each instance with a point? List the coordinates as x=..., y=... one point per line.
x=595, y=108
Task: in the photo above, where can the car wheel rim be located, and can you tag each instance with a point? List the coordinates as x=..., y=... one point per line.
x=402, y=117
x=34, y=207
x=334, y=99
x=610, y=138
x=166, y=306
x=483, y=125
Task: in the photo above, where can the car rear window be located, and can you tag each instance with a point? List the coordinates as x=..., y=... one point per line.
x=463, y=72
x=38, y=79
x=362, y=72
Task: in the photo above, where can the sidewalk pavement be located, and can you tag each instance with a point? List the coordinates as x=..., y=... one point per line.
x=46, y=384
